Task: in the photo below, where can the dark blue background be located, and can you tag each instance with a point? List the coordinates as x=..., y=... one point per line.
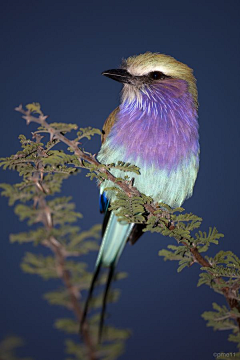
x=53, y=52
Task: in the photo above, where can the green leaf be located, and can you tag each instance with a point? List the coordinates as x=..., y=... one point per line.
x=44, y=266
x=61, y=127
x=221, y=318
x=59, y=297
x=68, y=325
x=127, y=167
x=203, y=239
x=88, y=132
x=34, y=108
x=8, y=348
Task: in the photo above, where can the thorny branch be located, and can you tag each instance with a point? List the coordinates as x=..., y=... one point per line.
x=60, y=254
x=230, y=294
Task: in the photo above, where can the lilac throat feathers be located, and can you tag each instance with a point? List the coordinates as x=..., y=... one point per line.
x=163, y=131
x=158, y=133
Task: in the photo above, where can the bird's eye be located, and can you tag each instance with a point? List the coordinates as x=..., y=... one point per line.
x=157, y=75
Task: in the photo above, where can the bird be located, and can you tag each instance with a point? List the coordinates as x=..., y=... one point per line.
x=155, y=127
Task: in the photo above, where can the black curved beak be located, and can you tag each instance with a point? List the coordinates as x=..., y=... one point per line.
x=120, y=75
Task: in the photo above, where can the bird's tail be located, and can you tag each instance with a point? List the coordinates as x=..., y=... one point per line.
x=114, y=239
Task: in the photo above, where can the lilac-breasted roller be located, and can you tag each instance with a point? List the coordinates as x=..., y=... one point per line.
x=155, y=127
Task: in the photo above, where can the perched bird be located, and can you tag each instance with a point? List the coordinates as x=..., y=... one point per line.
x=155, y=127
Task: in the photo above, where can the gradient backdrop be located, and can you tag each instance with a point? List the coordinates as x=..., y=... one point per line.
x=53, y=52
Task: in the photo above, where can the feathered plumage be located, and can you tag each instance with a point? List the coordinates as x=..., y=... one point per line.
x=155, y=128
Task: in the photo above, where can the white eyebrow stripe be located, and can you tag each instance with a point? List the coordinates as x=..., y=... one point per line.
x=140, y=70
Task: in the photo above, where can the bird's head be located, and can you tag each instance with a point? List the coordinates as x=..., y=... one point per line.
x=147, y=72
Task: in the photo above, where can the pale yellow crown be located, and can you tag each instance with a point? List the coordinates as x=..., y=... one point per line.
x=145, y=63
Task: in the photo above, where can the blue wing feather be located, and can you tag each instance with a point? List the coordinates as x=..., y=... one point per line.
x=103, y=203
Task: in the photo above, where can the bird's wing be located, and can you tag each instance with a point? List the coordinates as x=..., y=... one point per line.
x=103, y=200
x=109, y=124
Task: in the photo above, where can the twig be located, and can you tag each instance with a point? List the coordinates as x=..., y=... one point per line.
x=230, y=294
x=73, y=294
x=60, y=254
